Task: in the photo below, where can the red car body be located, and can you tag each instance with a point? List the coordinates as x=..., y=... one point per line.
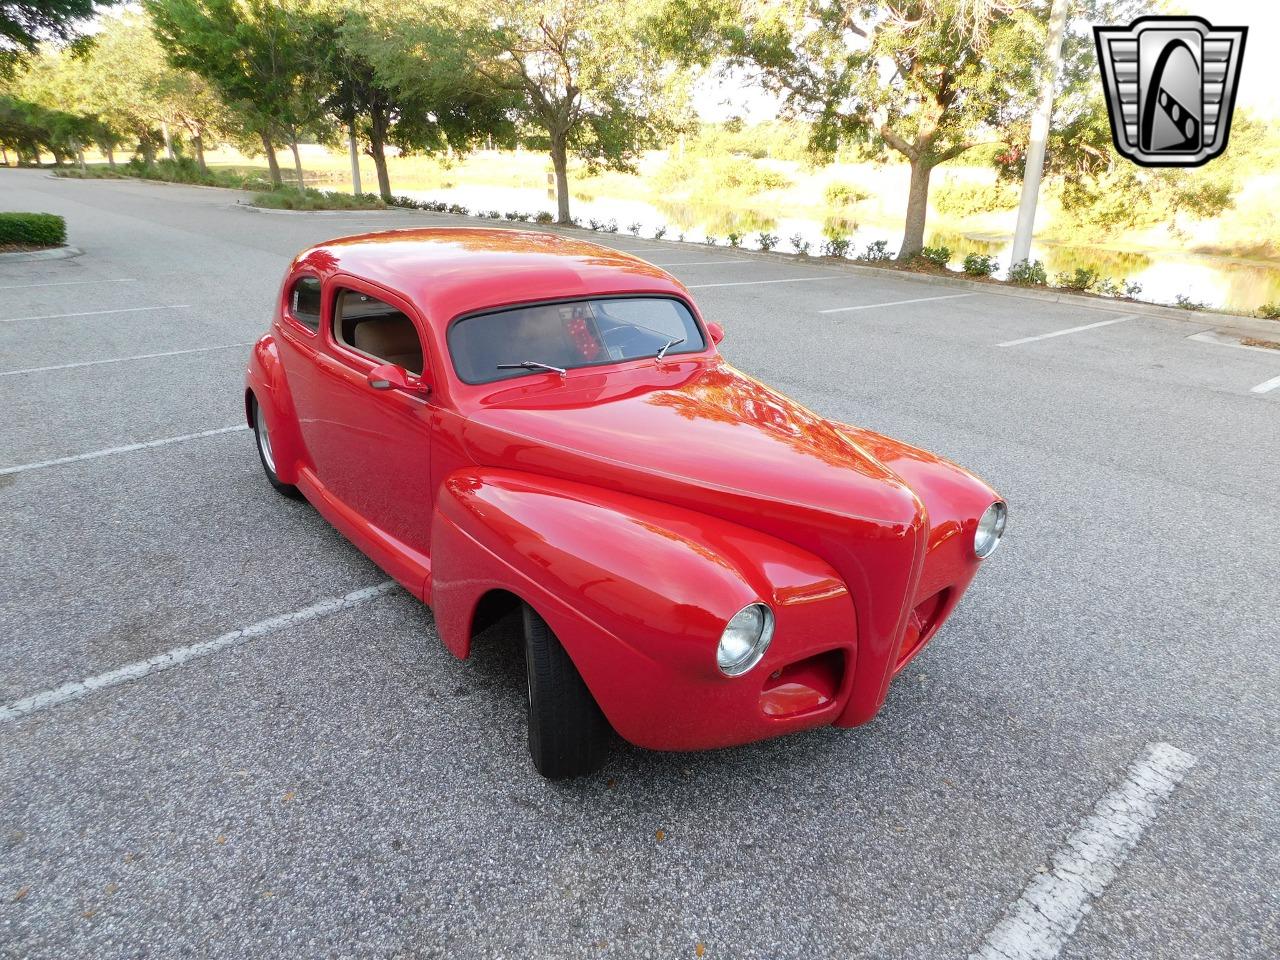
x=635, y=506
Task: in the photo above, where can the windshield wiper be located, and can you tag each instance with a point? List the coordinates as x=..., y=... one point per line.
x=532, y=365
x=668, y=345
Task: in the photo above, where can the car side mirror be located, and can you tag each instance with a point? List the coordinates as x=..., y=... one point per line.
x=388, y=376
x=716, y=331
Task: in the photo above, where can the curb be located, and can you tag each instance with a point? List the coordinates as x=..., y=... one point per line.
x=57, y=253
x=251, y=208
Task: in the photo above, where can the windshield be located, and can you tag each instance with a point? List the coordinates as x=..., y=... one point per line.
x=526, y=341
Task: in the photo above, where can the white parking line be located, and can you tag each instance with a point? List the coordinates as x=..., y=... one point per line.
x=1063, y=333
x=181, y=655
x=1266, y=386
x=897, y=303
x=64, y=283
x=751, y=283
x=94, y=313
x=128, y=448
x=1041, y=921
x=695, y=263
x=139, y=356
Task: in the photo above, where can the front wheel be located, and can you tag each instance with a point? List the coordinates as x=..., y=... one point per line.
x=265, y=453
x=568, y=735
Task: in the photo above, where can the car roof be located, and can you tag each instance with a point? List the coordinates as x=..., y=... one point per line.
x=448, y=271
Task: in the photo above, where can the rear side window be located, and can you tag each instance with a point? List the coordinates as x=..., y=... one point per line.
x=304, y=302
x=376, y=329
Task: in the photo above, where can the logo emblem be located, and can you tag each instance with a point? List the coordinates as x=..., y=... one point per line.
x=1171, y=87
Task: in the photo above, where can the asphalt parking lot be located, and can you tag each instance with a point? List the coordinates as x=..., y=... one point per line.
x=339, y=785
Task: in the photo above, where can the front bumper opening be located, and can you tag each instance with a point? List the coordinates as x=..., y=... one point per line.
x=922, y=623
x=803, y=686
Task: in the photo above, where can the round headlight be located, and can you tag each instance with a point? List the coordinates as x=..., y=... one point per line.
x=745, y=640
x=990, y=530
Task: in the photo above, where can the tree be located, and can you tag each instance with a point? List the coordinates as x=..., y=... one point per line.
x=577, y=71
x=24, y=23
x=925, y=79
x=412, y=92
x=259, y=55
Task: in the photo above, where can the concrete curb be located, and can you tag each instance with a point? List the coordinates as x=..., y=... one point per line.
x=318, y=213
x=57, y=253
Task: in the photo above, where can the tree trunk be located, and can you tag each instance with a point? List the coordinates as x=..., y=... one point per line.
x=272, y=165
x=4, y=152
x=560, y=161
x=111, y=155
x=917, y=208
x=168, y=141
x=148, y=149
x=197, y=141
x=378, y=150
x=297, y=160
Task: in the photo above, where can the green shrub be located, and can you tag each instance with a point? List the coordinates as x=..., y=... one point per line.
x=1269, y=311
x=291, y=198
x=634, y=229
x=767, y=241
x=876, y=252
x=938, y=256
x=735, y=239
x=1186, y=303
x=542, y=216
x=967, y=199
x=800, y=244
x=711, y=240
x=843, y=195
x=1131, y=289
x=659, y=232
x=980, y=264
x=1029, y=273
x=1082, y=279
x=836, y=246
x=33, y=229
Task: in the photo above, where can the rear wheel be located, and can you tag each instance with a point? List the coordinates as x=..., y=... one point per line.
x=265, y=453
x=568, y=735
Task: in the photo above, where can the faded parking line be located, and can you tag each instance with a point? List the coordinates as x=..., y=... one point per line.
x=181, y=655
x=64, y=283
x=138, y=356
x=1041, y=921
x=752, y=283
x=1063, y=333
x=127, y=448
x=897, y=303
x=94, y=313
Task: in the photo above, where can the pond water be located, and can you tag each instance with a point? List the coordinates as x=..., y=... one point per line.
x=1215, y=281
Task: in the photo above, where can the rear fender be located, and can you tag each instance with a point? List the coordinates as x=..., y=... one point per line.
x=638, y=592
x=265, y=382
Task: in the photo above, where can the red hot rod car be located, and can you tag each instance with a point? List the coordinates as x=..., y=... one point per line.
x=513, y=420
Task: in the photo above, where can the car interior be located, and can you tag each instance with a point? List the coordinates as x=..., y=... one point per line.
x=377, y=329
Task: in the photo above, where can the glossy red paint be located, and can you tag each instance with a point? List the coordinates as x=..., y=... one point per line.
x=636, y=506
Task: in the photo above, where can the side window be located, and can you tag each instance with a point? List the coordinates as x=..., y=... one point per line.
x=304, y=302
x=376, y=329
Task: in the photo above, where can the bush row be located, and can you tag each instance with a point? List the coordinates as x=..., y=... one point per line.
x=32, y=229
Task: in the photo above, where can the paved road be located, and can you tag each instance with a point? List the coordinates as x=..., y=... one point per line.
x=342, y=787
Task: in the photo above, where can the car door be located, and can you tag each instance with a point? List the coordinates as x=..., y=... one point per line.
x=372, y=447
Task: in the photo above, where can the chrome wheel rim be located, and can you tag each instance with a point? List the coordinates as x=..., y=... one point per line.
x=264, y=438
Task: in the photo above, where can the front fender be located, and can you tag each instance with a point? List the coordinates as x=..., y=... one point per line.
x=639, y=592
x=265, y=380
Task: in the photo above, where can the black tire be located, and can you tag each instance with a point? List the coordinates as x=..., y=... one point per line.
x=262, y=441
x=568, y=735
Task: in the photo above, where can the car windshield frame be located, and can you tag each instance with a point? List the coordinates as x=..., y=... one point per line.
x=503, y=376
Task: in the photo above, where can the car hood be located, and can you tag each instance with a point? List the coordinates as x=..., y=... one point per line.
x=693, y=433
